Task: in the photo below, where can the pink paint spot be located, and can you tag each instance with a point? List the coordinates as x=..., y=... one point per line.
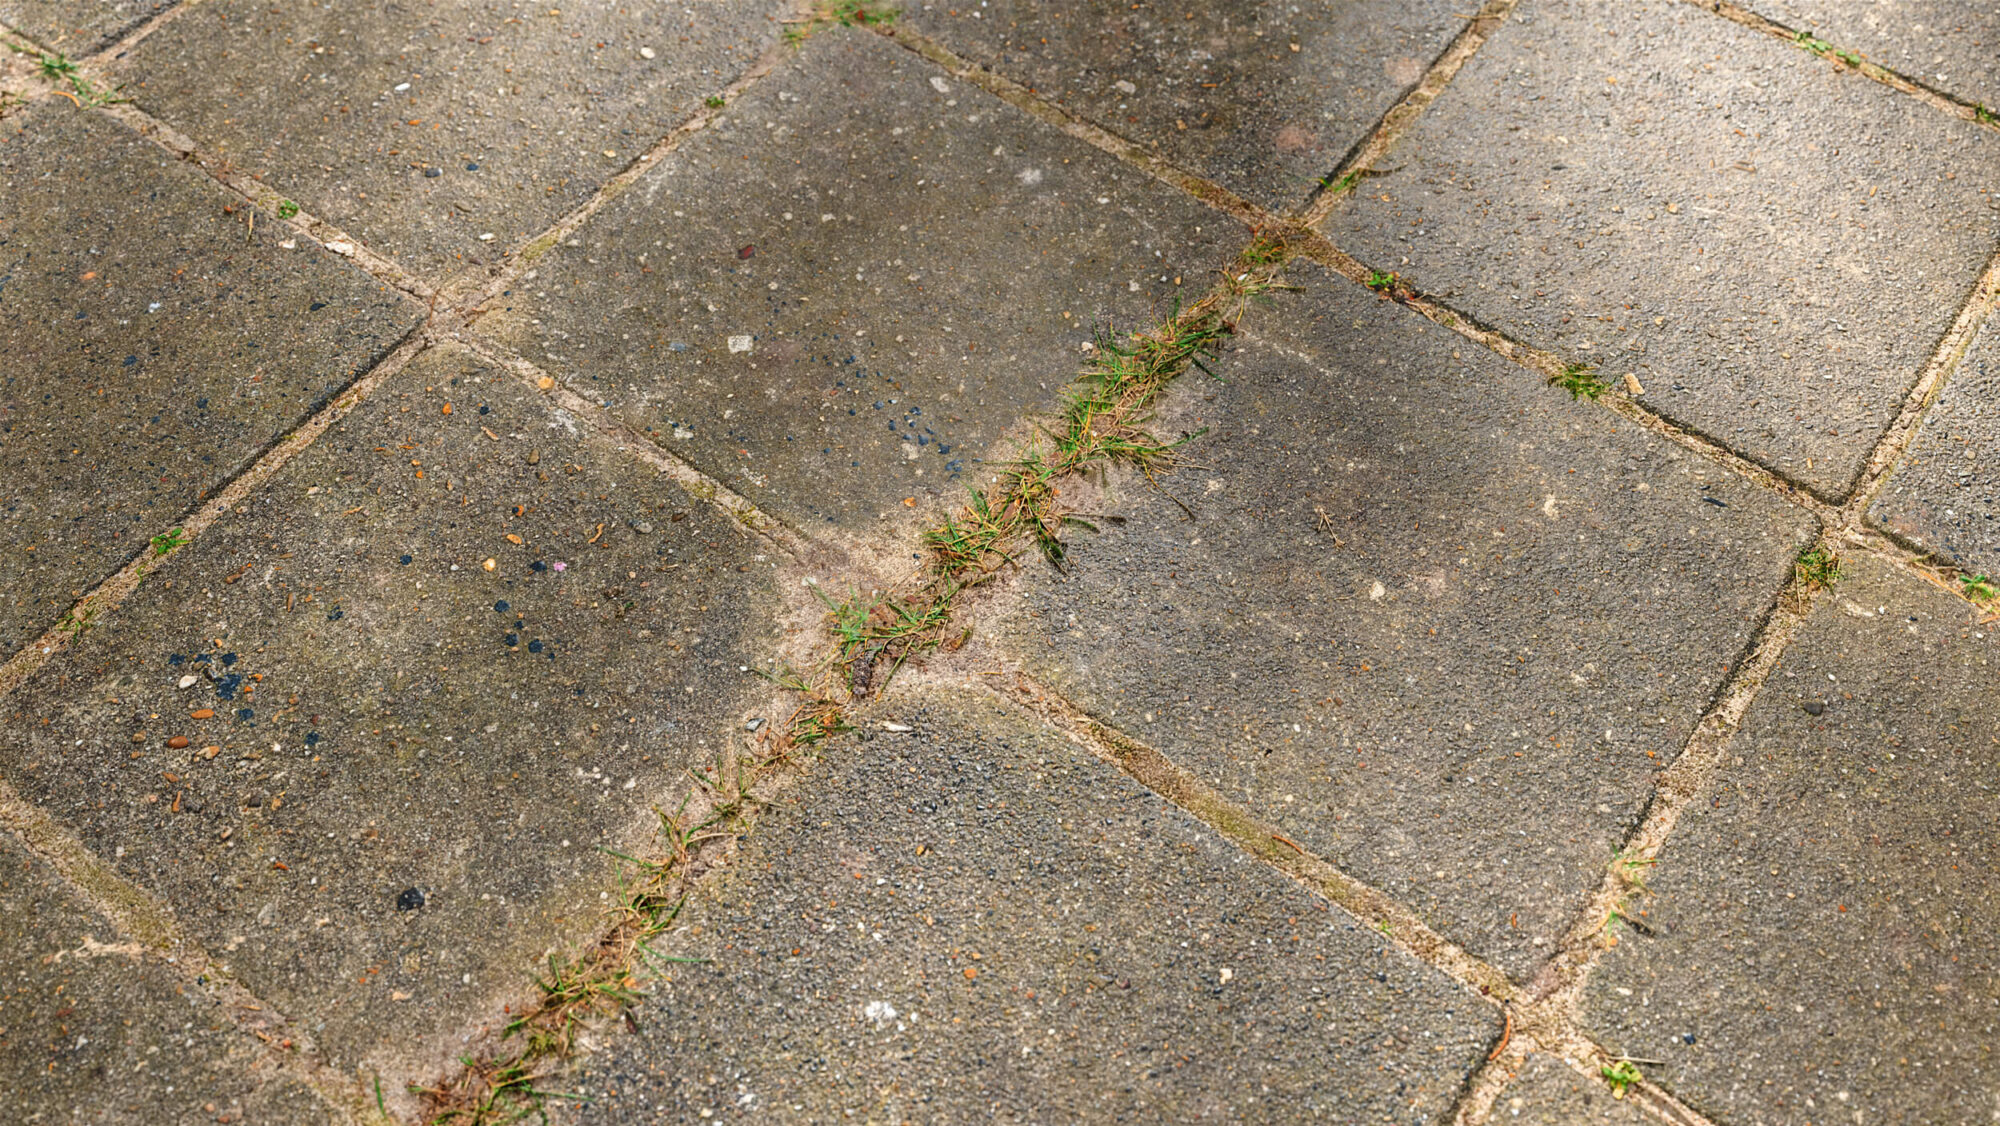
x=560, y=565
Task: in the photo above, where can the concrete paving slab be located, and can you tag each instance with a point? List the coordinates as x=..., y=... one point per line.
x=1823, y=941
x=1549, y=1092
x=76, y=27
x=95, y=1029
x=1772, y=248
x=841, y=296
x=1945, y=494
x=976, y=919
x=380, y=794
x=1432, y=619
x=1263, y=98
x=150, y=348
x=424, y=129
x=1948, y=45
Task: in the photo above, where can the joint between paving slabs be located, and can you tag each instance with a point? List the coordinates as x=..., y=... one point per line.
x=471, y=289
x=138, y=32
x=1126, y=151
x=739, y=509
x=1843, y=58
x=1360, y=161
x=150, y=930
x=1545, y=1015
x=1394, y=921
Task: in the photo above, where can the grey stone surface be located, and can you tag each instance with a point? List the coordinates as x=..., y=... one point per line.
x=977, y=920
x=1459, y=680
x=94, y=1030
x=1773, y=248
x=914, y=265
x=1944, y=494
x=74, y=27
x=148, y=349
x=522, y=111
x=391, y=715
x=1949, y=45
x=1262, y=97
x=1549, y=1092
x=1824, y=946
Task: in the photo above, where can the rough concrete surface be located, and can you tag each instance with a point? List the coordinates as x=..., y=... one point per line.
x=841, y=296
x=1264, y=98
x=387, y=715
x=98, y=1029
x=425, y=128
x=151, y=345
x=1944, y=496
x=1948, y=45
x=1436, y=621
x=1823, y=941
x=463, y=595
x=976, y=919
x=1772, y=247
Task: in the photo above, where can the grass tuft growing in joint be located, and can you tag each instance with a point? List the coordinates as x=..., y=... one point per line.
x=1620, y=1074
x=839, y=13
x=1979, y=588
x=1102, y=422
x=1580, y=380
x=1817, y=568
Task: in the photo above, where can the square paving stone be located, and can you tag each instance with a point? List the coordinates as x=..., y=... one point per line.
x=149, y=350
x=1261, y=97
x=74, y=27
x=1823, y=945
x=840, y=296
x=1549, y=1092
x=94, y=1029
x=1949, y=45
x=415, y=758
x=1945, y=494
x=1434, y=620
x=1771, y=247
x=423, y=128
x=975, y=919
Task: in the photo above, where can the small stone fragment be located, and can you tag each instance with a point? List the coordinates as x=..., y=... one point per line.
x=645, y=52
x=187, y=681
x=177, y=742
x=490, y=564
x=1632, y=386
x=410, y=900
x=201, y=713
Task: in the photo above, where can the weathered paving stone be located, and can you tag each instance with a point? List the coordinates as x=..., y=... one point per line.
x=1945, y=493
x=976, y=919
x=1949, y=45
x=1771, y=247
x=912, y=265
x=417, y=758
x=1548, y=1092
x=74, y=27
x=422, y=129
x=1262, y=98
x=1435, y=621
x=148, y=349
x=1824, y=930
x=94, y=1029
